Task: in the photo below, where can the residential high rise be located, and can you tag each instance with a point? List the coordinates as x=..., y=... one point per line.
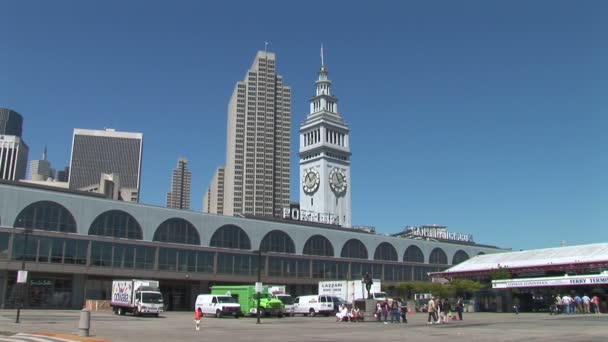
x=13, y=150
x=256, y=177
x=41, y=170
x=97, y=152
x=325, y=158
x=179, y=196
x=213, y=202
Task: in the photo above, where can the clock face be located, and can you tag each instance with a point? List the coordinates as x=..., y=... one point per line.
x=310, y=181
x=337, y=180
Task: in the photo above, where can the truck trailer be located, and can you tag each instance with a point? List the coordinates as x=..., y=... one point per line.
x=351, y=290
x=137, y=296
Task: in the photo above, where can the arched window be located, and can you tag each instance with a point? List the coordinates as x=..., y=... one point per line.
x=459, y=257
x=230, y=236
x=118, y=224
x=277, y=241
x=354, y=248
x=438, y=257
x=46, y=215
x=318, y=245
x=177, y=230
x=413, y=254
x=386, y=251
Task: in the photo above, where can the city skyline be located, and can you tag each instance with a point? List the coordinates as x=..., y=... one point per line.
x=460, y=118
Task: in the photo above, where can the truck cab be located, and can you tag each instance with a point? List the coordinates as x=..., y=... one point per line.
x=149, y=302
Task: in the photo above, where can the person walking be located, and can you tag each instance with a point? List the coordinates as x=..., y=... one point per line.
x=586, y=301
x=596, y=304
x=197, y=318
x=459, y=308
x=431, y=310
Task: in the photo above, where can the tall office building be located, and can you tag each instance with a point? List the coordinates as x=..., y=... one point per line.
x=63, y=175
x=98, y=152
x=256, y=177
x=325, y=158
x=13, y=150
x=179, y=196
x=213, y=202
x=40, y=169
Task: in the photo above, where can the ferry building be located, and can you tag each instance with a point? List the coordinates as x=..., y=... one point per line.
x=74, y=243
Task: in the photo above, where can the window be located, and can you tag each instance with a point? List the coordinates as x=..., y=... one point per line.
x=318, y=245
x=118, y=224
x=144, y=257
x=76, y=252
x=459, y=257
x=177, y=230
x=438, y=257
x=354, y=248
x=46, y=215
x=385, y=251
x=278, y=242
x=101, y=254
x=230, y=236
x=413, y=254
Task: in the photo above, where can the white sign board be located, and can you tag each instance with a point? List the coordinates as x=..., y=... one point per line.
x=551, y=281
x=259, y=287
x=21, y=277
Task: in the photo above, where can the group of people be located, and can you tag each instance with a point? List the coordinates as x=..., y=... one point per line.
x=345, y=315
x=440, y=310
x=395, y=307
x=576, y=305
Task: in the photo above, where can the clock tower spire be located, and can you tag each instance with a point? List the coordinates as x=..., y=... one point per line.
x=325, y=158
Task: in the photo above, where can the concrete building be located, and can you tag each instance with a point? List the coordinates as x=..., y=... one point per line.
x=179, y=196
x=97, y=152
x=213, y=202
x=325, y=159
x=256, y=177
x=41, y=169
x=75, y=244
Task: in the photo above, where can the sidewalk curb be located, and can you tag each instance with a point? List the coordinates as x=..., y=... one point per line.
x=70, y=337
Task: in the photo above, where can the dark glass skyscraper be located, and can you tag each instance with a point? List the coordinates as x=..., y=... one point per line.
x=179, y=196
x=11, y=122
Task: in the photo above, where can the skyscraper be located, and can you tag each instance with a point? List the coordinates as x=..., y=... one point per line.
x=13, y=150
x=325, y=158
x=97, y=152
x=179, y=196
x=256, y=177
x=213, y=202
x=41, y=169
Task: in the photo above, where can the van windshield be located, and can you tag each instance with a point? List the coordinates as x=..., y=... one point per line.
x=226, y=299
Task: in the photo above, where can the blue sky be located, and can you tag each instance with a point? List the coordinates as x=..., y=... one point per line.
x=489, y=117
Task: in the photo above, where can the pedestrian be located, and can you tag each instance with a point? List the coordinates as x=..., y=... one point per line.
x=586, y=301
x=459, y=308
x=395, y=314
x=431, y=310
x=403, y=311
x=197, y=318
x=596, y=304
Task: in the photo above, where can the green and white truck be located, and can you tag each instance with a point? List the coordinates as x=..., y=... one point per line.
x=246, y=296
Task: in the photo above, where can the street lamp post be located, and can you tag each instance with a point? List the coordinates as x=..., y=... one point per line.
x=22, y=290
x=259, y=253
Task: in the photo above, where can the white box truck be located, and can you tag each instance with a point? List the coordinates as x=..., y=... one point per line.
x=139, y=297
x=280, y=292
x=350, y=290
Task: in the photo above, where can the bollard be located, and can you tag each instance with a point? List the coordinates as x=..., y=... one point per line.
x=85, y=323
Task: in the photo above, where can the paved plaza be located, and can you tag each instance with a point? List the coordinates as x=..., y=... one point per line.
x=178, y=326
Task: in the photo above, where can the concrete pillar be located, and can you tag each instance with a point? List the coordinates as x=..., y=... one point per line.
x=3, y=284
x=78, y=283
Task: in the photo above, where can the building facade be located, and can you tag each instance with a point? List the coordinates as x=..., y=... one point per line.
x=325, y=159
x=257, y=170
x=179, y=196
x=13, y=157
x=75, y=244
x=213, y=202
x=97, y=152
x=40, y=170
x=13, y=150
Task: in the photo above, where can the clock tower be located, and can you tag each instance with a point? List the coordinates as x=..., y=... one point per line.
x=325, y=158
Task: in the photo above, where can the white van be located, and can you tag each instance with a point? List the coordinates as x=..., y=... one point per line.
x=218, y=305
x=314, y=304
